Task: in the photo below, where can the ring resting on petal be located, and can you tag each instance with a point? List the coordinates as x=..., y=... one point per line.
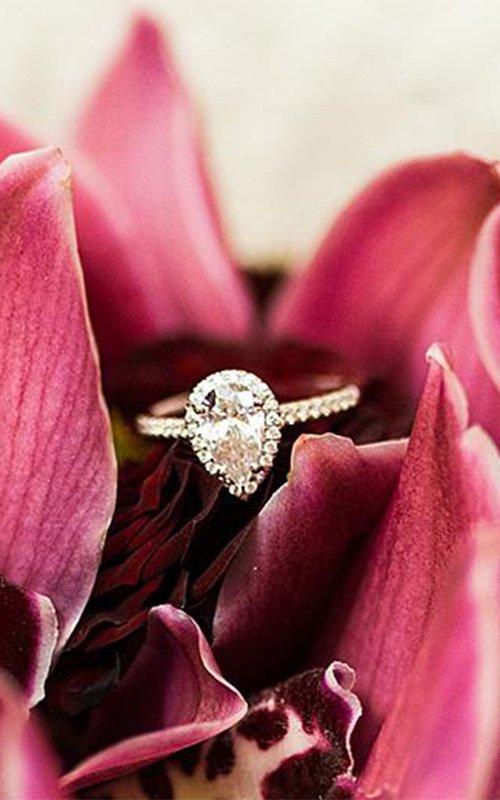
x=234, y=423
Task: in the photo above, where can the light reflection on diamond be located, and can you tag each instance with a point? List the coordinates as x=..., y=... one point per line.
x=231, y=429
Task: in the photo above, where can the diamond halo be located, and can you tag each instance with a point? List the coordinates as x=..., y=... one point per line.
x=234, y=423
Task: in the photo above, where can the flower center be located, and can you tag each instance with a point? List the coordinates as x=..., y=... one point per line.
x=175, y=529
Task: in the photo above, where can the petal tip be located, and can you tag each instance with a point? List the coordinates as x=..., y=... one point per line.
x=343, y=674
x=145, y=29
x=47, y=163
x=438, y=353
x=441, y=366
x=147, y=41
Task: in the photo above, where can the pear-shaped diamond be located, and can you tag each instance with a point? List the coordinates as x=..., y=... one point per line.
x=232, y=415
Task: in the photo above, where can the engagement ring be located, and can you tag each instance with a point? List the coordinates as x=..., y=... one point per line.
x=234, y=423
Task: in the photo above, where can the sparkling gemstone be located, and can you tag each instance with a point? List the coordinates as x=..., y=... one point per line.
x=231, y=427
x=271, y=447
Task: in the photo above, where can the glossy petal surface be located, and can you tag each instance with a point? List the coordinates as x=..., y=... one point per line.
x=117, y=267
x=484, y=295
x=57, y=473
x=140, y=132
x=111, y=253
x=392, y=592
x=289, y=562
x=442, y=736
x=392, y=276
x=172, y=697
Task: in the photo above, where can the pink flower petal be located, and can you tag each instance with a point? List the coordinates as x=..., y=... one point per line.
x=442, y=736
x=392, y=276
x=28, y=638
x=141, y=133
x=172, y=697
x=123, y=302
x=27, y=768
x=447, y=483
x=291, y=557
x=484, y=295
x=13, y=140
x=57, y=472
x=123, y=306
x=293, y=743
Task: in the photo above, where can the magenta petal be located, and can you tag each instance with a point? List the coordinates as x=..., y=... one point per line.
x=57, y=472
x=28, y=638
x=13, y=140
x=141, y=134
x=123, y=302
x=448, y=482
x=441, y=738
x=484, y=296
x=291, y=558
x=27, y=769
x=124, y=307
x=392, y=275
x=172, y=697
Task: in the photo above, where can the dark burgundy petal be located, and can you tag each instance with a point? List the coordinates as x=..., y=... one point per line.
x=176, y=529
x=174, y=365
x=279, y=585
x=172, y=697
x=174, y=532
x=28, y=638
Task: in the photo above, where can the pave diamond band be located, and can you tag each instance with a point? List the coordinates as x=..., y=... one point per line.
x=234, y=422
x=293, y=413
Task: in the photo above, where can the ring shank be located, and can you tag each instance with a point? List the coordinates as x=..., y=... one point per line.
x=319, y=406
x=160, y=423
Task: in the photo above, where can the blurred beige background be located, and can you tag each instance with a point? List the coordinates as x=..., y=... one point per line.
x=303, y=99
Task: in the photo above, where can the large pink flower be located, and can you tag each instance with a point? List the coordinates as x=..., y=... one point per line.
x=381, y=557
